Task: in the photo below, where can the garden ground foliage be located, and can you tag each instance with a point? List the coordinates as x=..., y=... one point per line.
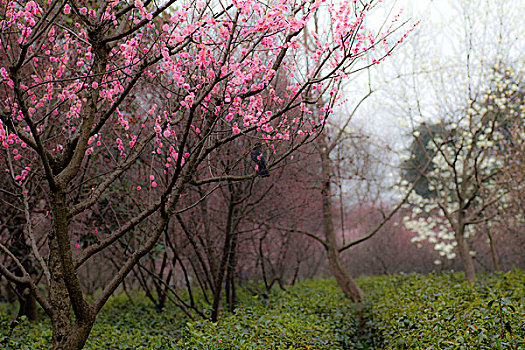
x=435, y=311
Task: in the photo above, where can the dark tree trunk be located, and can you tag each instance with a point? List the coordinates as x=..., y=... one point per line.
x=27, y=303
x=64, y=285
x=226, y=257
x=231, y=290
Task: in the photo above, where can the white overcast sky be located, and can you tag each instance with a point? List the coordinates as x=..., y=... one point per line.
x=441, y=39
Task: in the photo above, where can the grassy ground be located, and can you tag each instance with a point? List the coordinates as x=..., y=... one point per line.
x=401, y=312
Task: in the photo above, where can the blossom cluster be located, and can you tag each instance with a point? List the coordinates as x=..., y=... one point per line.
x=133, y=68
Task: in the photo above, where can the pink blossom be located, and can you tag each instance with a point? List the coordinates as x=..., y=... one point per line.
x=235, y=128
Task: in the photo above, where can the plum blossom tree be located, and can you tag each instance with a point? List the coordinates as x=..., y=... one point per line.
x=511, y=213
x=215, y=245
x=112, y=102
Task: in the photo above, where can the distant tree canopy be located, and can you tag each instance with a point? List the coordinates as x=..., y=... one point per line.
x=420, y=158
x=501, y=108
x=505, y=105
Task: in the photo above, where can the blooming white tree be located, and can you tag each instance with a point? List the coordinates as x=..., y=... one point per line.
x=465, y=177
x=460, y=96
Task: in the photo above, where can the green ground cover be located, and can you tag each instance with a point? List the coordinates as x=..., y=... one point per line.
x=443, y=312
x=401, y=312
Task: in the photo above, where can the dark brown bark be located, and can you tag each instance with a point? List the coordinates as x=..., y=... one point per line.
x=226, y=255
x=58, y=297
x=65, y=292
x=27, y=304
x=231, y=290
x=19, y=291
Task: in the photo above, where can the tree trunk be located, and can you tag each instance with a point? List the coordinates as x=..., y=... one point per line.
x=76, y=339
x=27, y=304
x=493, y=253
x=231, y=290
x=464, y=251
x=342, y=276
x=58, y=297
x=347, y=284
x=66, y=335
x=225, y=260
x=64, y=285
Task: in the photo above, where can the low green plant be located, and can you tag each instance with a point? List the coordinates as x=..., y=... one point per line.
x=435, y=311
x=313, y=315
x=441, y=311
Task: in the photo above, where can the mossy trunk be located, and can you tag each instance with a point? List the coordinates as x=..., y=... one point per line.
x=64, y=285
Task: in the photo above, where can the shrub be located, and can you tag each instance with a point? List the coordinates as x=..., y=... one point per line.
x=444, y=312
x=435, y=311
x=313, y=315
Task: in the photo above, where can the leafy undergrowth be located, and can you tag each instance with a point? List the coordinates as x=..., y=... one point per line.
x=401, y=312
x=443, y=312
x=312, y=315
x=120, y=325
